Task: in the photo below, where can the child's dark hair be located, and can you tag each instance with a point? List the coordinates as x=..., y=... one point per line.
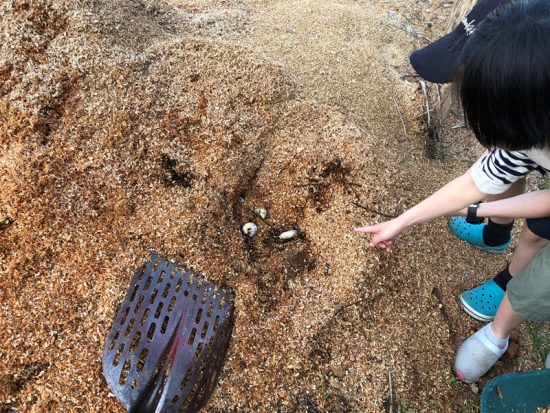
x=504, y=77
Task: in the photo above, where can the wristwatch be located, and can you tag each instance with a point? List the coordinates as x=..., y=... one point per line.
x=471, y=214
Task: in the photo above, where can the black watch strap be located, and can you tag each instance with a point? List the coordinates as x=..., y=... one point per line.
x=471, y=215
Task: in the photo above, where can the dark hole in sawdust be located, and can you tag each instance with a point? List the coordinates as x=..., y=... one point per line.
x=296, y=262
x=13, y=384
x=320, y=352
x=174, y=177
x=5, y=223
x=267, y=295
x=320, y=184
x=433, y=146
x=305, y=404
x=252, y=251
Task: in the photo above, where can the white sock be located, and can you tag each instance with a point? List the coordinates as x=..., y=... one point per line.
x=499, y=342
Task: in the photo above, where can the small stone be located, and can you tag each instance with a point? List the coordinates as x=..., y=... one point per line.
x=474, y=388
x=338, y=371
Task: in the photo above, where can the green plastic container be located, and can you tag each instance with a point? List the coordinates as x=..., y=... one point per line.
x=517, y=392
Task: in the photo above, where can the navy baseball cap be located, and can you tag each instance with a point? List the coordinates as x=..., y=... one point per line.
x=437, y=62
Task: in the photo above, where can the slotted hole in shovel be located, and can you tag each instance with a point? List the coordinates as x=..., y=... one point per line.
x=199, y=314
x=125, y=316
x=159, y=309
x=164, y=325
x=166, y=291
x=130, y=326
x=210, y=310
x=156, y=266
x=151, y=332
x=222, y=303
x=166, y=374
x=204, y=330
x=159, y=366
x=141, y=360
x=145, y=316
x=116, y=360
x=153, y=296
x=202, y=378
x=197, y=352
x=216, y=323
x=125, y=372
x=178, y=285
x=136, y=288
x=135, y=342
x=134, y=384
x=161, y=277
x=138, y=305
x=204, y=296
x=172, y=304
x=186, y=379
x=189, y=398
x=175, y=399
x=192, y=336
x=113, y=343
x=147, y=283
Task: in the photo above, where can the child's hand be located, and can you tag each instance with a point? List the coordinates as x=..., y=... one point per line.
x=384, y=233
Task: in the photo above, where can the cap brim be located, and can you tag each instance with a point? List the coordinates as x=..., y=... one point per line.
x=437, y=62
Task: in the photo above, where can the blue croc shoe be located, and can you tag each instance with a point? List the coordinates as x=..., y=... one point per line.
x=473, y=234
x=482, y=302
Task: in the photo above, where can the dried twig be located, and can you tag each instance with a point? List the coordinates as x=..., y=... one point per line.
x=390, y=386
x=374, y=211
x=427, y=103
x=306, y=185
x=409, y=29
x=400, y=116
x=459, y=126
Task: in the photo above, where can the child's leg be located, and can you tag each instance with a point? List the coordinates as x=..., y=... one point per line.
x=505, y=320
x=482, y=301
x=529, y=244
x=478, y=354
x=527, y=297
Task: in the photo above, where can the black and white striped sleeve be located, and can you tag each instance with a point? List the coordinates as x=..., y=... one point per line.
x=499, y=169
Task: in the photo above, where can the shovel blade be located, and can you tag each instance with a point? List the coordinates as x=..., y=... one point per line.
x=169, y=339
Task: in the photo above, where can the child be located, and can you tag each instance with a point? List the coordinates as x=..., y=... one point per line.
x=437, y=62
x=504, y=84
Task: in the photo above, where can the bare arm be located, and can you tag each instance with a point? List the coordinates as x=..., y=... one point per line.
x=530, y=205
x=451, y=198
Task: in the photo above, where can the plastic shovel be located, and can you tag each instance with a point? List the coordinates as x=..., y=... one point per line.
x=517, y=392
x=167, y=345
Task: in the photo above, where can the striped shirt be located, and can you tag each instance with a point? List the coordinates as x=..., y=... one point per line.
x=498, y=169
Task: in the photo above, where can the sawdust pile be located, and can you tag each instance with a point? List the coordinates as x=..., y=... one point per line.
x=136, y=125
